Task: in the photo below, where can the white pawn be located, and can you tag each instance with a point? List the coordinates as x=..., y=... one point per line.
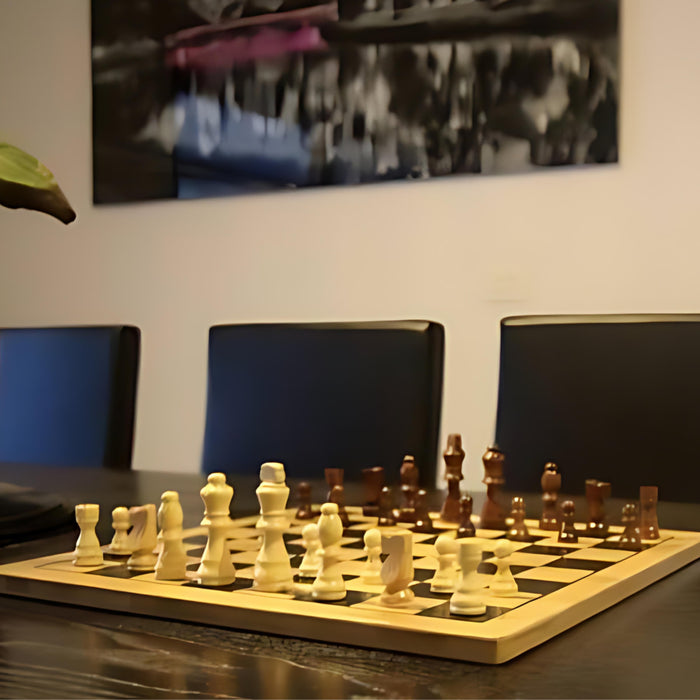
x=172, y=561
x=121, y=522
x=273, y=571
x=397, y=569
x=446, y=575
x=468, y=598
x=143, y=538
x=373, y=566
x=216, y=567
x=329, y=584
x=311, y=563
x=87, y=548
x=503, y=583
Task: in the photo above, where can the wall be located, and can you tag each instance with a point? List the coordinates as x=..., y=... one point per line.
x=463, y=251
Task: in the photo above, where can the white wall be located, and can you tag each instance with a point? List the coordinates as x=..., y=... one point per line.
x=463, y=251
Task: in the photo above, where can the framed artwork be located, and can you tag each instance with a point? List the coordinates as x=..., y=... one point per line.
x=199, y=98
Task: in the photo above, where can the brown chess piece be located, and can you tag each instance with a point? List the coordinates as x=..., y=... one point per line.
x=493, y=516
x=372, y=481
x=304, y=511
x=386, y=510
x=334, y=477
x=466, y=526
x=567, y=530
x=648, y=498
x=423, y=522
x=551, y=483
x=453, y=456
x=337, y=495
x=631, y=538
x=409, y=489
x=518, y=531
x=596, y=493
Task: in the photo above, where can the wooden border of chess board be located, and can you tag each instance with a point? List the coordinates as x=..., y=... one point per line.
x=494, y=641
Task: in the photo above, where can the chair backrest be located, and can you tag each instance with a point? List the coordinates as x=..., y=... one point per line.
x=317, y=395
x=67, y=395
x=616, y=398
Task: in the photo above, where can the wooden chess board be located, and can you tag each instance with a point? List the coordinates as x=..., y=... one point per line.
x=559, y=586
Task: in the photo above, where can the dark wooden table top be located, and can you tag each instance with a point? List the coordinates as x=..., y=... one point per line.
x=644, y=647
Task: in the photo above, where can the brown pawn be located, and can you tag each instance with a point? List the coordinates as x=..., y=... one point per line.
x=466, y=526
x=631, y=538
x=648, y=498
x=372, y=481
x=386, y=514
x=596, y=493
x=493, y=517
x=567, y=531
x=334, y=477
x=409, y=489
x=453, y=456
x=551, y=483
x=518, y=531
x=423, y=521
x=304, y=511
x=337, y=495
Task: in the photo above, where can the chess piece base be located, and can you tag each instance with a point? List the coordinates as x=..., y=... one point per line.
x=461, y=604
x=399, y=598
x=88, y=560
x=142, y=562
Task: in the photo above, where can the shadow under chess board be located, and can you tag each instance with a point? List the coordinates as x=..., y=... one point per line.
x=559, y=585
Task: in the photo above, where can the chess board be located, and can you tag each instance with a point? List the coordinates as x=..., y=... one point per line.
x=559, y=586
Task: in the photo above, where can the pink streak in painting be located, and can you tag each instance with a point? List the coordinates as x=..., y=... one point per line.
x=267, y=43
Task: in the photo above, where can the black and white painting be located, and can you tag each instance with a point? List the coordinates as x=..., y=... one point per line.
x=197, y=98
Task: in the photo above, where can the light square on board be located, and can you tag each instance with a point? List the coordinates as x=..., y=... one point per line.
x=526, y=559
x=592, y=553
x=413, y=607
x=67, y=565
x=266, y=594
x=549, y=573
x=582, y=543
x=509, y=602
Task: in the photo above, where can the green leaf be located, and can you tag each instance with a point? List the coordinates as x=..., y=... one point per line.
x=26, y=183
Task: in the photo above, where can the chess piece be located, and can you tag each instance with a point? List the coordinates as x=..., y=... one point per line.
x=567, y=531
x=518, y=531
x=409, y=490
x=466, y=526
x=631, y=538
x=493, y=516
x=371, y=573
x=329, y=584
x=172, y=560
x=397, y=569
x=311, y=563
x=143, y=538
x=273, y=572
x=596, y=493
x=87, y=549
x=216, y=567
x=372, y=481
x=334, y=477
x=121, y=522
x=446, y=573
x=649, y=497
x=453, y=456
x=503, y=584
x=386, y=511
x=551, y=483
x=337, y=496
x=423, y=522
x=468, y=598
x=304, y=511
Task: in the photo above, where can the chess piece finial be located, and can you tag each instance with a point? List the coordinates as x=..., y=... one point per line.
x=87, y=549
x=551, y=483
x=567, y=532
x=493, y=515
x=648, y=498
x=454, y=457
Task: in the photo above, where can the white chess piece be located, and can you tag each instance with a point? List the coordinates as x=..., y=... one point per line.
x=446, y=574
x=373, y=566
x=503, y=583
x=172, y=560
x=397, y=569
x=468, y=598
x=273, y=572
x=87, y=548
x=311, y=563
x=121, y=522
x=143, y=538
x=329, y=584
x=216, y=567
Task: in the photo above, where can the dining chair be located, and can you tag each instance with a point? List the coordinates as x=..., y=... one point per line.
x=608, y=397
x=317, y=395
x=67, y=395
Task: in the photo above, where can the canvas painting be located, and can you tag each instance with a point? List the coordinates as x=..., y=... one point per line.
x=201, y=98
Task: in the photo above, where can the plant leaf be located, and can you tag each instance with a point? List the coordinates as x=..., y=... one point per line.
x=26, y=183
